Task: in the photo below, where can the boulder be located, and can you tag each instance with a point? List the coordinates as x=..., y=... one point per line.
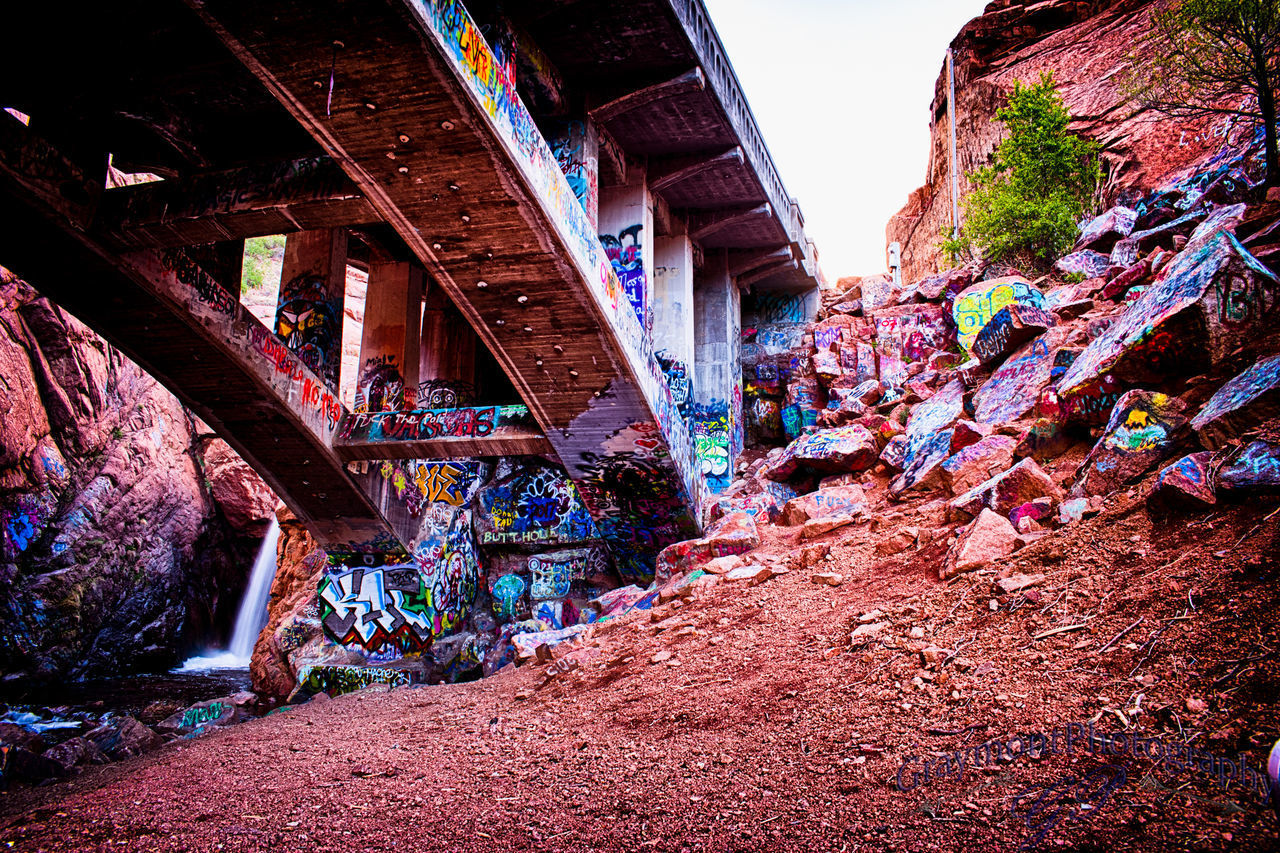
x=1240, y=404
x=246, y=501
x=734, y=534
x=1120, y=285
x=824, y=502
x=834, y=451
x=1014, y=388
x=895, y=451
x=1255, y=470
x=1187, y=482
x=12, y=734
x=75, y=752
x=1102, y=232
x=215, y=712
x=1022, y=483
x=978, y=462
x=988, y=538
x=977, y=304
x=1034, y=510
x=966, y=433
x=929, y=438
x=334, y=680
x=1085, y=262
x=1141, y=432
x=1010, y=328
x=123, y=737
x=1213, y=299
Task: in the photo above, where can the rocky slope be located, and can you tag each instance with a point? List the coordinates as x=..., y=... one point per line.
x=127, y=526
x=1086, y=45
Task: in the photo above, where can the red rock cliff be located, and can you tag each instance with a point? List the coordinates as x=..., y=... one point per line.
x=1086, y=45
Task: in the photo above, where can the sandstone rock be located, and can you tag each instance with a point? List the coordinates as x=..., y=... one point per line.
x=12, y=734
x=1118, y=286
x=988, y=538
x=1141, y=432
x=827, y=578
x=977, y=304
x=832, y=451
x=1022, y=483
x=1034, y=510
x=1085, y=262
x=75, y=752
x=123, y=737
x=215, y=712
x=733, y=534
x=967, y=433
x=929, y=439
x=753, y=574
x=1014, y=388
x=1010, y=328
x=897, y=542
x=246, y=501
x=1255, y=470
x=25, y=765
x=895, y=451
x=819, y=526
x=1019, y=582
x=722, y=565
x=978, y=463
x=824, y=502
x=1210, y=301
x=1240, y=404
x=1187, y=482
x=1102, y=232
x=867, y=632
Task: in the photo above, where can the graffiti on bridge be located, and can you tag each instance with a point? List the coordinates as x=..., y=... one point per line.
x=427, y=424
x=534, y=504
x=310, y=324
x=626, y=255
x=381, y=387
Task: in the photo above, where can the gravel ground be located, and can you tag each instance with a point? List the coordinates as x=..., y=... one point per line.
x=745, y=719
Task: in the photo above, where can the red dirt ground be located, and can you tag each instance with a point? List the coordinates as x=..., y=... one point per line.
x=766, y=729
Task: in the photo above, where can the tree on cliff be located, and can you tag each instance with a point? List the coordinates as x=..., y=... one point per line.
x=1214, y=57
x=1024, y=206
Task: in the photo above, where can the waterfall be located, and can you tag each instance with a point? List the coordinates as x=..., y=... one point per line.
x=252, y=614
x=253, y=607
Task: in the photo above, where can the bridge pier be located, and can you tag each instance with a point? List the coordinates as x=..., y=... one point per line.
x=313, y=291
x=717, y=427
x=389, y=350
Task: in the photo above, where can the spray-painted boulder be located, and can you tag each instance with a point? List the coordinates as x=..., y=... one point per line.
x=1241, y=403
x=834, y=451
x=733, y=534
x=895, y=451
x=1255, y=470
x=837, y=500
x=1213, y=299
x=1010, y=328
x=929, y=438
x=1142, y=431
x=1015, y=386
x=908, y=334
x=336, y=680
x=1187, y=482
x=978, y=462
x=1085, y=262
x=202, y=715
x=1102, y=232
x=1021, y=484
x=977, y=304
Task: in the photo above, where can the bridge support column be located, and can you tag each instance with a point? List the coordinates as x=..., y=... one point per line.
x=224, y=261
x=313, y=288
x=447, y=359
x=717, y=427
x=389, y=342
x=626, y=231
x=672, y=307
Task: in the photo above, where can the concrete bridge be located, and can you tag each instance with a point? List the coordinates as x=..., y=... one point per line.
x=558, y=206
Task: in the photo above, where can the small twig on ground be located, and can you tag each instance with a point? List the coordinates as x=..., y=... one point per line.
x=948, y=732
x=1064, y=629
x=1117, y=637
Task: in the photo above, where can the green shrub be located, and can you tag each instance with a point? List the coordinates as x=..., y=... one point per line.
x=1024, y=207
x=259, y=252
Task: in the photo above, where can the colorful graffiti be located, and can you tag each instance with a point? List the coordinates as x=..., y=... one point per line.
x=769, y=308
x=381, y=386
x=377, y=608
x=626, y=254
x=444, y=394
x=336, y=680
x=427, y=424
x=533, y=504
x=200, y=715
x=977, y=304
x=507, y=592
x=418, y=483
x=25, y=520
x=579, y=165
x=310, y=324
x=712, y=445
x=679, y=382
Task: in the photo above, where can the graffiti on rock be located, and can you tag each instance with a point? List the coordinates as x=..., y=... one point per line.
x=535, y=504
x=507, y=592
x=202, y=714
x=978, y=303
x=336, y=680
x=376, y=608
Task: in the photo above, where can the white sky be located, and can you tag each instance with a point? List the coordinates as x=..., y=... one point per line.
x=841, y=90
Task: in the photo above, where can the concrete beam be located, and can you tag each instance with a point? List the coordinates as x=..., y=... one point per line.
x=756, y=260
x=669, y=171
x=440, y=434
x=770, y=269
x=690, y=81
x=703, y=225
x=299, y=195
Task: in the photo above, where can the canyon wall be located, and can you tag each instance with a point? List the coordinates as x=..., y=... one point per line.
x=128, y=528
x=1087, y=47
